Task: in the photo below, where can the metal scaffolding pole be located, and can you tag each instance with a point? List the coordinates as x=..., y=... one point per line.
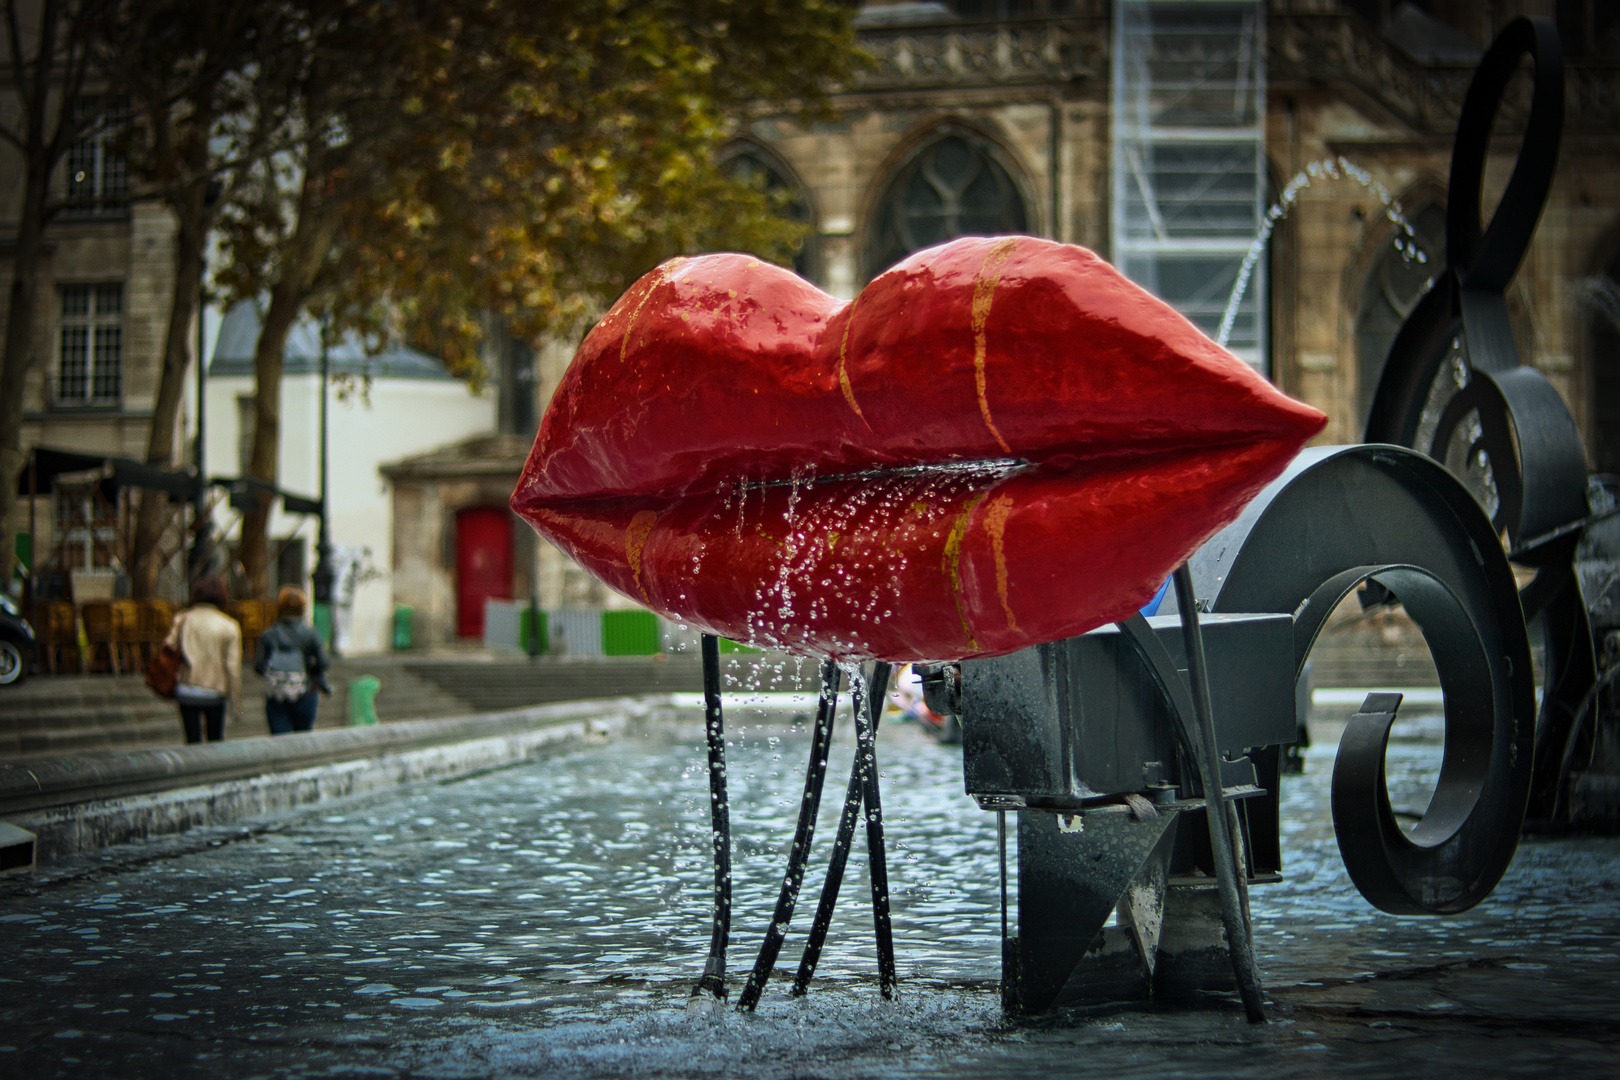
x=1189, y=157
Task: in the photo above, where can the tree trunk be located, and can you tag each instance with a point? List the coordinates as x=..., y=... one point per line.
x=19, y=357
x=155, y=515
x=263, y=464
x=312, y=238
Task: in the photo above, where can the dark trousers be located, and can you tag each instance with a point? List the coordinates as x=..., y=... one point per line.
x=288, y=716
x=192, y=718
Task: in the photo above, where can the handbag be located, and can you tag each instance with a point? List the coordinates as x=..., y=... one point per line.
x=163, y=671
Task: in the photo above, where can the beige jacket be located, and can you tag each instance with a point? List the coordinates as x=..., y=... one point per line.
x=210, y=644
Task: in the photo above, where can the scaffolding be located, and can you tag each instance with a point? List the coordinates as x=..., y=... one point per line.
x=1189, y=175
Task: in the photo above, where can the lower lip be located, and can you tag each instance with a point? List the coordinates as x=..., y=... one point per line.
x=926, y=564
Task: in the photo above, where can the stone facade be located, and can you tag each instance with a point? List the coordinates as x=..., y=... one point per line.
x=427, y=492
x=1027, y=84
x=120, y=242
x=133, y=248
x=1034, y=93
x=1032, y=90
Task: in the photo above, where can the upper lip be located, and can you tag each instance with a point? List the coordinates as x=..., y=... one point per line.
x=723, y=409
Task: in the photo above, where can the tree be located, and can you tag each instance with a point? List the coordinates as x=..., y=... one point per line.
x=190, y=72
x=593, y=157
x=530, y=159
x=52, y=60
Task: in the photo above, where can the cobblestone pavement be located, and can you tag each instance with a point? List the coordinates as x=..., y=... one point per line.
x=547, y=920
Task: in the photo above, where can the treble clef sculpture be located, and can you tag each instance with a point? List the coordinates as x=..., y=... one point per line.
x=1453, y=387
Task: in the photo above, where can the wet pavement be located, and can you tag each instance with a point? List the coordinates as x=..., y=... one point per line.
x=548, y=919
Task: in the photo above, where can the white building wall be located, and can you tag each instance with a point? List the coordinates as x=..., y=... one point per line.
x=397, y=418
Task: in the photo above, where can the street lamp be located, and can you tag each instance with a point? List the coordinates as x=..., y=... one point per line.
x=202, y=542
x=321, y=580
x=201, y=525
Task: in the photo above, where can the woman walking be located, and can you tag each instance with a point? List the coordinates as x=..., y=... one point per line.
x=210, y=644
x=293, y=664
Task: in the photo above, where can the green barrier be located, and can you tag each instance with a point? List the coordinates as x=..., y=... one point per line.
x=24, y=549
x=363, y=701
x=321, y=616
x=629, y=633
x=532, y=624
x=404, y=627
x=727, y=645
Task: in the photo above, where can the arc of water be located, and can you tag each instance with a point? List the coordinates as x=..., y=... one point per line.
x=1336, y=168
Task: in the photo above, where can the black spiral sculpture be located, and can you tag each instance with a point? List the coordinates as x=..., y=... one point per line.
x=1505, y=430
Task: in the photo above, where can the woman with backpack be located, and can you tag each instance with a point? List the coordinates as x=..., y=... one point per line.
x=210, y=647
x=293, y=664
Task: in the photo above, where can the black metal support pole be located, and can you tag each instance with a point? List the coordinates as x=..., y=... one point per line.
x=1240, y=858
x=799, y=857
x=533, y=646
x=876, y=855
x=713, y=982
x=31, y=581
x=326, y=508
x=1239, y=942
x=1001, y=848
x=842, y=841
x=323, y=578
x=200, y=526
x=863, y=785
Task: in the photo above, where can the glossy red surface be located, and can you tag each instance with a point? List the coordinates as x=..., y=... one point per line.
x=698, y=453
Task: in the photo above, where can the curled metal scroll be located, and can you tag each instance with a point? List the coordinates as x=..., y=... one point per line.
x=1515, y=425
x=1463, y=317
x=1453, y=388
x=1428, y=870
x=1344, y=515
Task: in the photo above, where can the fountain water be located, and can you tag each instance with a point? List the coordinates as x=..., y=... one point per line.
x=1337, y=168
x=546, y=919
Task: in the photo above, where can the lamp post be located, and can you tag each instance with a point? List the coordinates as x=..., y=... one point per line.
x=201, y=527
x=202, y=541
x=321, y=580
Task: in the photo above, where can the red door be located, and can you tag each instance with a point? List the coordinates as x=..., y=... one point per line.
x=483, y=564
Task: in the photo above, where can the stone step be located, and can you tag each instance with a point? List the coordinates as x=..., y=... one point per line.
x=71, y=691
x=73, y=714
x=138, y=733
x=135, y=703
x=135, y=734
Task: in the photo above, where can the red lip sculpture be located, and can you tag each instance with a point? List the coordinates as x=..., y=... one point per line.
x=999, y=442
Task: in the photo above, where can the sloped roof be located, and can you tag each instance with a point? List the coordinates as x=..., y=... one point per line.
x=481, y=455
x=239, y=337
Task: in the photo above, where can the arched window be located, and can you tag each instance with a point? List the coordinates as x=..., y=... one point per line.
x=1392, y=288
x=953, y=186
x=755, y=164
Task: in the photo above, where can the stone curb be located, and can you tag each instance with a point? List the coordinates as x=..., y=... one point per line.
x=82, y=803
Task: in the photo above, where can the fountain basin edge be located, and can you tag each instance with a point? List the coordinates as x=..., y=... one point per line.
x=80, y=804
